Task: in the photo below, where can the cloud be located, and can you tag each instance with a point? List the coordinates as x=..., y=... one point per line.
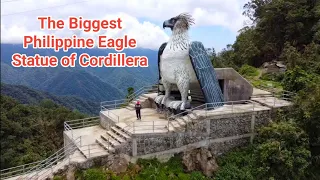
x=142, y=19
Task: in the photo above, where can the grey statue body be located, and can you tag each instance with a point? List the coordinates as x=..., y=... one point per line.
x=175, y=65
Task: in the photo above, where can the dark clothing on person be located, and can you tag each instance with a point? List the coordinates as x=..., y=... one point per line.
x=138, y=114
x=138, y=108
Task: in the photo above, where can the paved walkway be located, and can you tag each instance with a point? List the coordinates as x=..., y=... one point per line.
x=147, y=114
x=272, y=102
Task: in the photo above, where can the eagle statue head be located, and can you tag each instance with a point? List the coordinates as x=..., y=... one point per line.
x=181, y=22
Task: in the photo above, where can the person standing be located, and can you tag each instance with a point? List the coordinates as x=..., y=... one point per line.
x=138, y=108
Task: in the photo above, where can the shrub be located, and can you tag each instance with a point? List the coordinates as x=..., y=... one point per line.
x=282, y=152
x=248, y=71
x=237, y=164
x=95, y=174
x=297, y=79
x=272, y=77
x=197, y=176
x=57, y=178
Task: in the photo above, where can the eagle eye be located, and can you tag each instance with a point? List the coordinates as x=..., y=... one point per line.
x=173, y=20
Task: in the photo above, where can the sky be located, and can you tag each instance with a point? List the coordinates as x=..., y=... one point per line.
x=216, y=21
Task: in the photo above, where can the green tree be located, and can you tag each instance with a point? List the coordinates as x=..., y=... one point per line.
x=31, y=133
x=282, y=152
x=130, y=91
x=306, y=111
x=297, y=79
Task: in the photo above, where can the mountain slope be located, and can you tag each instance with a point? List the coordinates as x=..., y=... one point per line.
x=82, y=84
x=38, y=78
x=26, y=95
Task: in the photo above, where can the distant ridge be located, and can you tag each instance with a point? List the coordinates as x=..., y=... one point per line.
x=26, y=95
x=95, y=84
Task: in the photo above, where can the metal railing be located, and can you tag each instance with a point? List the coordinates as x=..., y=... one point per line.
x=80, y=123
x=36, y=169
x=141, y=127
x=206, y=108
x=14, y=171
x=42, y=167
x=107, y=106
x=115, y=104
x=282, y=95
x=210, y=109
x=111, y=115
x=93, y=150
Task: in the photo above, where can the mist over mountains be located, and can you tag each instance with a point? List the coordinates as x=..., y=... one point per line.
x=92, y=83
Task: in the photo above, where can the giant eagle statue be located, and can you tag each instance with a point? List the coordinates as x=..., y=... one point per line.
x=182, y=63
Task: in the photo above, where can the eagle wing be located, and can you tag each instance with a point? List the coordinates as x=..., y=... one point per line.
x=162, y=47
x=206, y=74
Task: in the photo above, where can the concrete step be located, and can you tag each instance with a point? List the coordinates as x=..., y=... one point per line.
x=77, y=156
x=187, y=119
x=181, y=121
x=192, y=116
x=110, y=140
x=105, y=145
x=146, y=96
x=129, y=108
x=116, y=137
x=141, y=98
x=131, y=105
x=95, y=150
x=124, y=128
x=175, y=124
x=172, y=127
x=120, y=133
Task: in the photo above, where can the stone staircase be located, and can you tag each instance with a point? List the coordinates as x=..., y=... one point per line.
x=142, y=98
x=117, y=136
x=93, y=150
x=180, y=122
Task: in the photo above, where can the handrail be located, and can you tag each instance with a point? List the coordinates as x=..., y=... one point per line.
x=108, y=111
x=50, y=167
x=39, y=165
x=56, y=154
x=114, y=103
x=26, y=169
x=83, y=119
x=206, y=107
x=13, y=170
x=136, y=92
x=282, y=94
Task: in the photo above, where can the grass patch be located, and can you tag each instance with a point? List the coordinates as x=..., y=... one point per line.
x=248, y=71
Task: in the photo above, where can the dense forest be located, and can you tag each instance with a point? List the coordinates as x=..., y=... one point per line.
x=287, y=31
x=31, y=133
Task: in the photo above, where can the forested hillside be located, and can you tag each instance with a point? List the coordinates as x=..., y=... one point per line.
x=31, y=133
x=26, y=95
x=287, y=31
x=97, y=84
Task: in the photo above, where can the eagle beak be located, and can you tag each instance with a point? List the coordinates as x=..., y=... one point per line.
x=167, y=23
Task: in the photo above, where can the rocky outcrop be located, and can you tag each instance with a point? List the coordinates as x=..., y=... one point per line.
x=200, y=160
x=70, y=174
x=119, y=164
